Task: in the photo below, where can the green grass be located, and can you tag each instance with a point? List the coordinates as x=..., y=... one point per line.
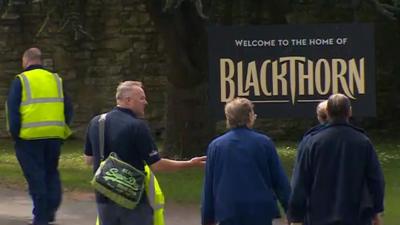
x=185, y=186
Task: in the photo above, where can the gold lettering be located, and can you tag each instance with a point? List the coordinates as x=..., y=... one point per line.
x=292, y=65
x=240, y=86
x=302, y=76
x=252, y=79
x=276, y=76
x=357, y=75
x=227, y=79
x=309, y=77
x=263, y=78
x=339, y=69
x=318, y=79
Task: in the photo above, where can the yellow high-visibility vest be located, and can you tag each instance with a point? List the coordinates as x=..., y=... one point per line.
x=155, y=197
x=42, y=106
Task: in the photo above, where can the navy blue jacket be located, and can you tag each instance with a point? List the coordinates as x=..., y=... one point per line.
x=337, y=164
x=304, y=139
x=314, y=129
x=244, y=178
x=14, y=101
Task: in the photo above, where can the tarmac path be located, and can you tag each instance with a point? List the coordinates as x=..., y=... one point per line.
x=79, y=209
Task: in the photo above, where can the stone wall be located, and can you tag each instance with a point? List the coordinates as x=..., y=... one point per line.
x=123, y=46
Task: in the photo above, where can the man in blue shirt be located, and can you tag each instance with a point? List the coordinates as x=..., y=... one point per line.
x=127, y=134
x=338, y=176
x=244, y=176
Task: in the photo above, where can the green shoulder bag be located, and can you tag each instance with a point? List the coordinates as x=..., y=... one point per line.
x=116, y=179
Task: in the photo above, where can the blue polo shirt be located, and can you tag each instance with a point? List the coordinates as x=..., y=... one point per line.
x=125, y=135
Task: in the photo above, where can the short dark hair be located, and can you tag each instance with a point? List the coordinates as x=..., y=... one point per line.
x=338, y=107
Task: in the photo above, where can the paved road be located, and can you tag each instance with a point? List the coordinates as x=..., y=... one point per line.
x=79, y=209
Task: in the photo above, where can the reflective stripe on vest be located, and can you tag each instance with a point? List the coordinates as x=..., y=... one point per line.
x=42, y=124
x=42, y=106
x=28, y=90
x=155, y=196
x=152, y=194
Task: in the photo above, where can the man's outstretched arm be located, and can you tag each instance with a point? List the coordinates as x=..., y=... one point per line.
x=173, y=165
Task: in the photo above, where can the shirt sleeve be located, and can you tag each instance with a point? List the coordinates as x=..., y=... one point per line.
x=375, y=180
x=279, y=179
x=13, y=104
x=145, y=144
x=207, y=204
x=88, y=143
x=300, y=184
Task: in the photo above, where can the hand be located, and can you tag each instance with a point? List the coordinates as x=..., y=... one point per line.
x=198, y=161
x=377, y=220
x=282, y=220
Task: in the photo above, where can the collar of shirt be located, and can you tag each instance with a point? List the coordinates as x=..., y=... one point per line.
x=242, y=127
x=33, y=67
x=344, y=123
x=340, y=121
x=125, y=110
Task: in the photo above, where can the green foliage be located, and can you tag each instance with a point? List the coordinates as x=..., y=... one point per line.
x=182, y=187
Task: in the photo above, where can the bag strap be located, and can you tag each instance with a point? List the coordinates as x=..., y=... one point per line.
x=102, y=121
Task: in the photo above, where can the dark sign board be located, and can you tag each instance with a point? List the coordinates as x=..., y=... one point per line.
x=286, y=70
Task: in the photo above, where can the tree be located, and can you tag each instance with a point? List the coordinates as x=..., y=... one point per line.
x=188, y=125
x=182, y=24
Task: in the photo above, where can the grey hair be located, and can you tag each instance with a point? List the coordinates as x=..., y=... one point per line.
x=125, y=87
x=322, y=114
x=238, y=112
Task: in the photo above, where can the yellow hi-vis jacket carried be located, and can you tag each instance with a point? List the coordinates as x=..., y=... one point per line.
x=155, y=197
x=42, y=106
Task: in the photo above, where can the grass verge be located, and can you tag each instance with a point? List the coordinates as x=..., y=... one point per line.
x=185, y=186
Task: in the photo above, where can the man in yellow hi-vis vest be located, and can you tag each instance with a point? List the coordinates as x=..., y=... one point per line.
x=126, y=134
x=38, y=115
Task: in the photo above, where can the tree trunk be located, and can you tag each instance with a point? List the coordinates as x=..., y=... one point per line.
x=188, y=127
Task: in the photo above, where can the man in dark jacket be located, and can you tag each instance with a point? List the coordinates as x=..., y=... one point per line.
x=243, y=173
x=322, y=116
x=337, y=164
